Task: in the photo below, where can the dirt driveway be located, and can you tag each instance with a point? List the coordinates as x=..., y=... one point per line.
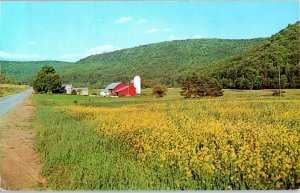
x=20, y=168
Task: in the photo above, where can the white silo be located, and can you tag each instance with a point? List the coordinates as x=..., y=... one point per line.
x=137, y=84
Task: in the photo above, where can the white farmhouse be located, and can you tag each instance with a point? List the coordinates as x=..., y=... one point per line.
x=68, y=88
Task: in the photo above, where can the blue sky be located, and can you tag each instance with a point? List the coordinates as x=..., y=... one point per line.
x=69, y=31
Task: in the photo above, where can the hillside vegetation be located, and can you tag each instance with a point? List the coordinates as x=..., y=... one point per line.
x=9, y=89
x=241, y=64
x=26, y=71
x=259, y=67
x=160, y=63
x=6, y=79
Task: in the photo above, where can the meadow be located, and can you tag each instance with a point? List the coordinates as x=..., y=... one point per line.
x=242, y=140
x=9, y=89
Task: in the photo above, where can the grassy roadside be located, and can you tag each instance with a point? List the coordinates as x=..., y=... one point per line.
x=75, y=157
x=9, y=89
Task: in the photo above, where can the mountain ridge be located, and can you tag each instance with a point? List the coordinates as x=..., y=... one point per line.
x=156, y=63
x=236, y=63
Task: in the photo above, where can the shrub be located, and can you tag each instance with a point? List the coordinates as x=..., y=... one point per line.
x=277, y=92
x=73, y=92
x=159, y=90
x=193, y=86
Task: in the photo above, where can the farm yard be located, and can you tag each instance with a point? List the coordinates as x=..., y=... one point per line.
x=242, y=140
x=104, y=95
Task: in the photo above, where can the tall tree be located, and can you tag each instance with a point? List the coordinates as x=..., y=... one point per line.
x=193, y=86
x=47, y=80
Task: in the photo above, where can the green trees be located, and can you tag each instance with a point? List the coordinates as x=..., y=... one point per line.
x=25, y=72
x=193, y=86
x=159, y=91
x=159, y=63
x=6, y=79
x=258, y=68
x=47, y=80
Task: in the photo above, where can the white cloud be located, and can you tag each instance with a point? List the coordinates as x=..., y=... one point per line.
x=197, y=36
x=167, y=29
x=152, y=30
x=123, y=19
x=7, y=55
x=32, y=43
x=141, y=21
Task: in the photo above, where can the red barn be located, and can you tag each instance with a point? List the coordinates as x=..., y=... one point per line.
x=119, y=89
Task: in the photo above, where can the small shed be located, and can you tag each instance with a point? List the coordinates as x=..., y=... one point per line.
x=82, y=91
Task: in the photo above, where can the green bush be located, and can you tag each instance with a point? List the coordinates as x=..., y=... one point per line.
x=159, y=91
x=193, y=86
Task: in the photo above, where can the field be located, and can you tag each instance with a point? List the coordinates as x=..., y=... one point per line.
x=243, y=140
x=8, y=89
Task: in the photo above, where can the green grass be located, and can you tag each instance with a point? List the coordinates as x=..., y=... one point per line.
x=75, y=157
x=9, y=89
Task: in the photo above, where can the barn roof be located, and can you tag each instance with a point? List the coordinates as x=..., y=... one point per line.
x=123, y=88
x=112, y=85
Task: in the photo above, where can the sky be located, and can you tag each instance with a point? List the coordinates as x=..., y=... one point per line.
x=69, y=31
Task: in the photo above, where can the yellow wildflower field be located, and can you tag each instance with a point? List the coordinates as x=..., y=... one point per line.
x=229, y=143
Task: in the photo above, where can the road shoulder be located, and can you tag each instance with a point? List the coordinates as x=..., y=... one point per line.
x=20, y=168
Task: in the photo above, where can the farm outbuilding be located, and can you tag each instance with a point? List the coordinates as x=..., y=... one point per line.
x=119, y=89
x=67, y=88
x=82, y=91
x=126, y=90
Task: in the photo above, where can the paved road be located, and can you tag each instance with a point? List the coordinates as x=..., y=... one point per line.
x=9, y=102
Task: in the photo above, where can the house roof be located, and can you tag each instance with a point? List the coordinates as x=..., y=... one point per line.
x=112, y=85
x=123, y=88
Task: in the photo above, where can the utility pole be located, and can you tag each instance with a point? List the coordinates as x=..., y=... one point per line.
x=279, y=81
x=0, y=70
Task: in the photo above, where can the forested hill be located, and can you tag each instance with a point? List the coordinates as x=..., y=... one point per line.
x=259, y=67
x=6, y=79
x=243, y=64
x=159, y=63
x=26, y=71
